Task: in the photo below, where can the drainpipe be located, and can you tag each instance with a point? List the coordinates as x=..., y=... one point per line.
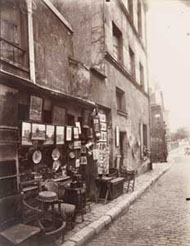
x=31, y=41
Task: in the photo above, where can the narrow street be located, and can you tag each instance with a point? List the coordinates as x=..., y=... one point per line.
x=160, y=217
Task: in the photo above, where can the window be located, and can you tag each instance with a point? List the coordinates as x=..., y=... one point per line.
x=117, y=43
x=141, y=69
x=130, y=5
x=120, y=97
x=139, y=14
x=132, y=62
x=13, y=34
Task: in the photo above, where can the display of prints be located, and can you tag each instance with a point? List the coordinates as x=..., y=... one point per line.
x=77, y=144
x=103, y=126
x=60, y=134
x=77, y=124
x=68, y=133
x=83, y=160
x=103, y=161
x=36, y=104
x=38, y=131
x=75, y=133
x=26, y=133
x=50, y=133
x=102, y=117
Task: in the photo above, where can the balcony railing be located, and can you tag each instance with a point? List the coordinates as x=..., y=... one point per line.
x=12, y=53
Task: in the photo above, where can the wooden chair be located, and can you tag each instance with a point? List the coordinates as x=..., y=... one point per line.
x=129, y=176
x=12, y=229
x=68, y=211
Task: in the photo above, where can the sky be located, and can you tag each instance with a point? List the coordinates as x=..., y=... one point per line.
x=168, y=30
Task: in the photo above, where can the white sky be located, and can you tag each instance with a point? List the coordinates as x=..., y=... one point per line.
x=169, y=56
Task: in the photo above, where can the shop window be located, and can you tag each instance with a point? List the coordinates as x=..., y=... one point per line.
x=141, y=69
x=13, y=34
x=117, y=43
x=132, y=62
x=139, y=14
x=120, y=97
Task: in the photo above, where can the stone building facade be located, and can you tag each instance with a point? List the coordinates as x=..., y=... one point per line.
x=110, y=38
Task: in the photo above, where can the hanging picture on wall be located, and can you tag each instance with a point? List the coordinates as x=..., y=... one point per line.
x=103, y=136
x=102, y=117
x=75, y=133
x=69, y=133
x=36, y=104
x=83, y=160
x=26, y=134
x=103, y=126
x=60, y=134
x=50, y=133
x=83, y=149
x=77, y=124
x=38, y=131
x=77, y=144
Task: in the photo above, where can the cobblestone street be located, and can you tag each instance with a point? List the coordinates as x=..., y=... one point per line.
x=160, y=217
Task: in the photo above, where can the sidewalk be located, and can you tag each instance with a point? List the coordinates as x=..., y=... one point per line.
x=102, y=215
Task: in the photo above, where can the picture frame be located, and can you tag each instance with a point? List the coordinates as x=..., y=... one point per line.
x=102, y=117
x=50, y=135
x=83, y=149
x=36, y=105
x=69, y=133
x=103, y=136
x=83, y=160
x=77, y=144
x=26, y=133
x=75, y=132
x=77, y=124
x=103, y=126
x=60, y=135
x=38, y=131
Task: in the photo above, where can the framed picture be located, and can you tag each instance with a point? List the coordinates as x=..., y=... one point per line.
x=76, y=133
x=77, y=144
x=103, y=126
x=60, y=134
x=103, y=136
x=83, y=160
x=26, y=134
x=77, y=163
x=77, y=124
x=50, y=134
x=102, y=117
x=83, y=149
x=36, y=104
x=38, y=132
x=68, y=133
